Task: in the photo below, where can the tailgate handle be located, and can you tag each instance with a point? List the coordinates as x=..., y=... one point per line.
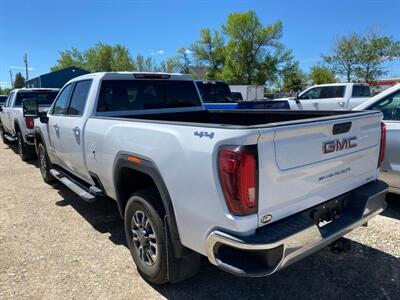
x=341, y=128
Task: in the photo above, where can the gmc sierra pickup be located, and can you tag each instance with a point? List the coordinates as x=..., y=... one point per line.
x=14, y=127
x=254, y=190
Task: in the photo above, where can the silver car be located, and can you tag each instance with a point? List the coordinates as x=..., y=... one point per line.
x=389, y=103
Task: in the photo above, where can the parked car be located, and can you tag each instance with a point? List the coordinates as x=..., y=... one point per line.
x=14, y=127
x=389, y=103
x=216, y=95
x=190, y=181
x=3, y=99
x=330, y=96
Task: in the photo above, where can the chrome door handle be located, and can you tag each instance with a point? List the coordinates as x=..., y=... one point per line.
x=76, y=130
x=315, y=104
x=56, y=127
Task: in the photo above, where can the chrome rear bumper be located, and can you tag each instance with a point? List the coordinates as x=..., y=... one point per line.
x=286, y=241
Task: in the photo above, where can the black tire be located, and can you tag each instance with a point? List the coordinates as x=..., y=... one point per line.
x=138, y=203
x=24, y=151
x=44, y=164
x=3, y=139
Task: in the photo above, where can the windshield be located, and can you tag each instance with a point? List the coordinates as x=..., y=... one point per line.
x=214, y=92
x=123, y=95
x=43, y=98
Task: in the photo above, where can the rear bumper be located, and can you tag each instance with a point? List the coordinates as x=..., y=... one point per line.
x=286, y=241
x=30, y=139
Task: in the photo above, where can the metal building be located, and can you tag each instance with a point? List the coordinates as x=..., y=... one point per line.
x=55, y=79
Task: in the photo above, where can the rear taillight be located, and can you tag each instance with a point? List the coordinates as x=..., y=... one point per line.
x=383, y=144
x=29, y=122
x=238, y=176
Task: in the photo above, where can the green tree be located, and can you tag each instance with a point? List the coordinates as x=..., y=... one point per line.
x=100, y=58
x=145, y=64
x=344, y=58
x=294, y=80
x=321, y=74
x=248, y=49
x=209, y=50
x=183, y=60
x=374, y=51
x=19, y=81
x=170, y=65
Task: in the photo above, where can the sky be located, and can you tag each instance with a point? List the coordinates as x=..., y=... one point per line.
x=43, y=28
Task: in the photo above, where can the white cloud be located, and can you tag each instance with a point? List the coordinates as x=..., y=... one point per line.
x=187, y=51
x=21, y=68
x=158, y=52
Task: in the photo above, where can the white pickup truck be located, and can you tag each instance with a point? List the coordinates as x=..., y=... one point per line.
x=330, y=96
x=254, y=191
x=14, y=127
x=388, y=102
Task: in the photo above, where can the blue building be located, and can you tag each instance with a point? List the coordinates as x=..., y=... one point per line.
x=55, y=79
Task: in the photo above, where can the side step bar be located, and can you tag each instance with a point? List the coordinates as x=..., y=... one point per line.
x=77, y=188
x=10, y=138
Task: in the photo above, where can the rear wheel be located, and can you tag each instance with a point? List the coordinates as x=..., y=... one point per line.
x=44, y=164
x=145, y=234
x=25, y=152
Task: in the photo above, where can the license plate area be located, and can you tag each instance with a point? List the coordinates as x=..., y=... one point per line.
x=328, y=212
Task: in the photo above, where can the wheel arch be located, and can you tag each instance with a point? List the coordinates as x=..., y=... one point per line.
x=141, y=172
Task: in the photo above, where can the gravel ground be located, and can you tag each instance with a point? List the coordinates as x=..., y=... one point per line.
x=55, y=246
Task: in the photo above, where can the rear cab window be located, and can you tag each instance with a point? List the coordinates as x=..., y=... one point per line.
x=126, y=95
x=360, y=91
x=214, y=91
x=43, y=98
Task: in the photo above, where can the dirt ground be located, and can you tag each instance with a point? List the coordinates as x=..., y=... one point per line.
x=55, y=246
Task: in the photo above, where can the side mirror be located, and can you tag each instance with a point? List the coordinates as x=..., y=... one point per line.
x=30, y=108
x=43, y=117
x=296, y=98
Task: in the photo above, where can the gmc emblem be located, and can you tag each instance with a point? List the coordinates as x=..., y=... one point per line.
x=337, y=145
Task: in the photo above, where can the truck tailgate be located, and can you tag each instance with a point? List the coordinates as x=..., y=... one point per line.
x=302, y=165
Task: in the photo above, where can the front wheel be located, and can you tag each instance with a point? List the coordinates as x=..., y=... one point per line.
x=3, y=138
x=44, y=164
x=145, y=234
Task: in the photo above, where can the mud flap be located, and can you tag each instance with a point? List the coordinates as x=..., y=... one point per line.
x=180, y=268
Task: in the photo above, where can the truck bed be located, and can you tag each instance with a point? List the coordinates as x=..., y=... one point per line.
x=239, y=119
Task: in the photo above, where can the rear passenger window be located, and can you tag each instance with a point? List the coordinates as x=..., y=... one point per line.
x=79, y=98
x=361, y=91
x=61, y=104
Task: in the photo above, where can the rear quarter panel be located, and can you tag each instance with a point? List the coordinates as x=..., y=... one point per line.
x=186, y=162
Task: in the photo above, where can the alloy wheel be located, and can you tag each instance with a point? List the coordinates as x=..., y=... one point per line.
x=144, y=238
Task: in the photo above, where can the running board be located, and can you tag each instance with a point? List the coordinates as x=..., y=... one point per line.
x=10, y=138
x=73, y=186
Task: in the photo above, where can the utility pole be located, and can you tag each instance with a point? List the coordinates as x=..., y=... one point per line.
x=12, y=82
x=26, y=66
